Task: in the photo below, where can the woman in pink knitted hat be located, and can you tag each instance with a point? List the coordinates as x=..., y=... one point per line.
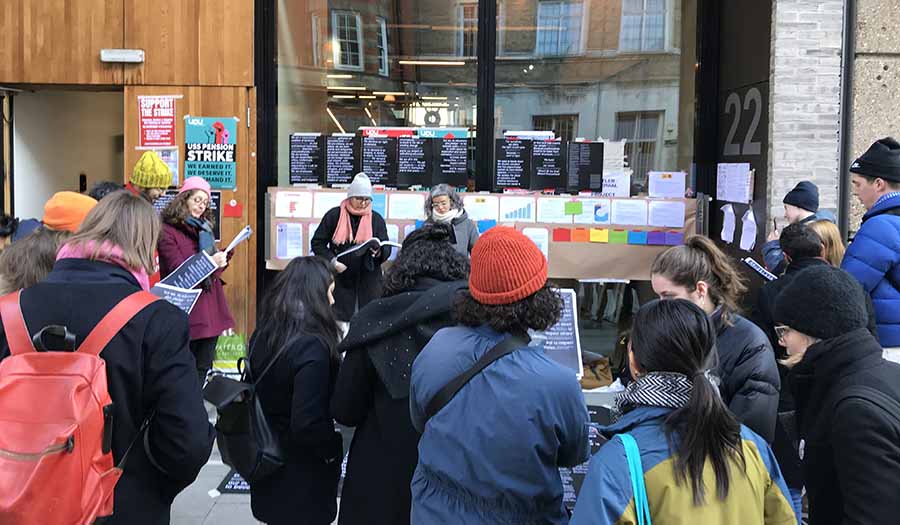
x=187, y=230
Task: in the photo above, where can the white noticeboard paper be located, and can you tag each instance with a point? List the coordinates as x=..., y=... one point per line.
x=482, y=207
x=748, y=230
x=553, y=210
x=406, y=206
x=325, y=200
x=393, y=232
x=667, y=214
x=311, y=231
x=288, y=240
x=630, y=212
x=517, y=209
x=728, y=224
x=593, y=211
x=294, y=204
x=540, y=237
x=734, y=183
x=616, y=184
x=667, y=184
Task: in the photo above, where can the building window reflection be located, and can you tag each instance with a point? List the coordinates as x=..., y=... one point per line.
x=383, y=67
x=643, y=25
x=564, y=126
x=559, y=28
x=347, y=40
x=641, y=132
x=467, y=14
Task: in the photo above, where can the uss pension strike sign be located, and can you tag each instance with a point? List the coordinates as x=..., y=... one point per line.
x=210, y=146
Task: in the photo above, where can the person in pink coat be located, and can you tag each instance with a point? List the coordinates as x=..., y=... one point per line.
x=188, y=229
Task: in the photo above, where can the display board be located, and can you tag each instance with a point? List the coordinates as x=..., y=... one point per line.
x=583, y=237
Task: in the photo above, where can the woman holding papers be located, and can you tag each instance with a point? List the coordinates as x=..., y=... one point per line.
x=186, y=231
x=443, y=206
x=352, y=223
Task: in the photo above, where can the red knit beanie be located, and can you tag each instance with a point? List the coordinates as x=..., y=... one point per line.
x=506, y=267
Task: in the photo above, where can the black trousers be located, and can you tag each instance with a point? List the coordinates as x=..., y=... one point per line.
x=204, y=351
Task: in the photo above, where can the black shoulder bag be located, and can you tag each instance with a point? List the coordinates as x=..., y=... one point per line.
x=444, y=395
x=245, y=439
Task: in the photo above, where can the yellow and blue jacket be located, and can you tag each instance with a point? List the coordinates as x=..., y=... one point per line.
x=756, y=496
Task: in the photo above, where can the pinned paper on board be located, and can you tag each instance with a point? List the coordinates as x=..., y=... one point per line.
x=613, y=155
x=593, y=211
x=632, y=212
x=599, y=235
x=616, y=184
x=540, y=237
x=406, y=206
x=517, y=209
x=294, y=204
x=665, y=184
x=482, y=207
x=667, y=214
x=553, y=210
x=574, y=208
x=734, y=183
x=379, y=205
x=748, y=230
x=326, y=200
x=288, y=240
x=728, y=223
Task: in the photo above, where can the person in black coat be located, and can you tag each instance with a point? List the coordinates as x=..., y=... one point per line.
x=150, y=371
x=372, y=392
x=352, y=223
x=847, y=397
x=701, y=273
x=297, y=335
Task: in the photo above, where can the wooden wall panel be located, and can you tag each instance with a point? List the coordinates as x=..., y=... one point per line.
x=59, y=41
x=193, y=42
x=215, y=102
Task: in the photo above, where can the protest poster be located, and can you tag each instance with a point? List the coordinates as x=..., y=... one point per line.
x=156, y=121
x=210, y=150
x=191, y=272
x=184, y=299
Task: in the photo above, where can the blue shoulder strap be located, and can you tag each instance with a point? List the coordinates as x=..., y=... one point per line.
x=641, y=505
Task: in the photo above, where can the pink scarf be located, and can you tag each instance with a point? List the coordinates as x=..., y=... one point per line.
x=108, y=253
x=343, y=234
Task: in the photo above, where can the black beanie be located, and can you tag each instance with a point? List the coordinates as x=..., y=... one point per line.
x=804, y=195
x=822, y=302
x=882, y=160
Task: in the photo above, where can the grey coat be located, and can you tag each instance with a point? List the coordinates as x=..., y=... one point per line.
x=465, y=233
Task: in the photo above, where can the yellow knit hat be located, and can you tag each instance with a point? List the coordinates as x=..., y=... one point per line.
x=151, y=172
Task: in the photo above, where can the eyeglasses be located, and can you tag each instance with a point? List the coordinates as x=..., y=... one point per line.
x=436, y=205
x=781, y=331
x=200, y=200
x=361, y=199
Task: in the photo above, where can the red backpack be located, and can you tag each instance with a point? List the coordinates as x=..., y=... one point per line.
x=56, y=464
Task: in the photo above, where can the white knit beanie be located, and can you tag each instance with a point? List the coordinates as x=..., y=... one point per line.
x=360, y=187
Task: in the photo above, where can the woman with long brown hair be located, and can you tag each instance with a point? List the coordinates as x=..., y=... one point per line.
x=701, y=273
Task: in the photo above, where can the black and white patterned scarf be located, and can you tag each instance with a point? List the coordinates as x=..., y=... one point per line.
x=655, y=389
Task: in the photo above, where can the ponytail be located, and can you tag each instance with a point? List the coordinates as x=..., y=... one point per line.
x=677, y=336
x=699, y=259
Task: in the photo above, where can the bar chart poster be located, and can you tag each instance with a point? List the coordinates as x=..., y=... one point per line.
x=517, y=209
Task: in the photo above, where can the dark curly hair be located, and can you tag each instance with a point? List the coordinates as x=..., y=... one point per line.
x=177, y=211
x=539, y=311
x=426, y=252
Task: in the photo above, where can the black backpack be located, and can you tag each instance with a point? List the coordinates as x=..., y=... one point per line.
x=244, y=436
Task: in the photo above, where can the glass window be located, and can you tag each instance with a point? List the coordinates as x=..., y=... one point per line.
x=641, y=133
x=467, y=42
x=564, y=126
x=382, y=48
x=347, y=40
x=316, y=29
x=643, y=25
x=559, y=28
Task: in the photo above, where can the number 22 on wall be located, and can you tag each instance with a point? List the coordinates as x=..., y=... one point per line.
x=733, y=106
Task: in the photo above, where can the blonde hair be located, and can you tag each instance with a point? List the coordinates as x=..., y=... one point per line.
x=126, y=221
x=831, y=240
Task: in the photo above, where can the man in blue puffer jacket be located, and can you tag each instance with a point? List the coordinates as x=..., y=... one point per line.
x=873, y=257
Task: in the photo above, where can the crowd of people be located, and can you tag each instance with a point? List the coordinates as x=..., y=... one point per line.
x=459, y=416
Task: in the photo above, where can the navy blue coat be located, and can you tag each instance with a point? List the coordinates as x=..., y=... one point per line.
x=149, y=369
x=491, y=456
x=874, y=259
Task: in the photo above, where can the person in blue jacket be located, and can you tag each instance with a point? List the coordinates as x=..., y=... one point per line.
x=873, y=257
x=492, y=454
x=699, y=465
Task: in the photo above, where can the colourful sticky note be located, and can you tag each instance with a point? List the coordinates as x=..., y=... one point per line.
x=674, y=238
x=574, y=208
x=599, y=235
x=656, y=238
x=637, y=237
x=618, y=236
x=562, y=235
x=485, y=225
x=581, y=235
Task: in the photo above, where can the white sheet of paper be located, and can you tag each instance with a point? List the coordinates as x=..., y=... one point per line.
x=734, y=183
x=540, y=237
x=482, y=207
x=406, y=206
x=748, y=230
x=288, y=240
x=325, y=200
x=393, y=232
x=517, y=209
x=616, y=184
x=613, y=155
x=242, y=236
x=553, y=209
x=312, y=231
x=294, y=204
x=593, y=211
x=667, y=214
x=631, y=212
x=667, y=184
x=728, y=224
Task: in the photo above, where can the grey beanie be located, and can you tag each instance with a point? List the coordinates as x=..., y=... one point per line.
x=360, y=187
